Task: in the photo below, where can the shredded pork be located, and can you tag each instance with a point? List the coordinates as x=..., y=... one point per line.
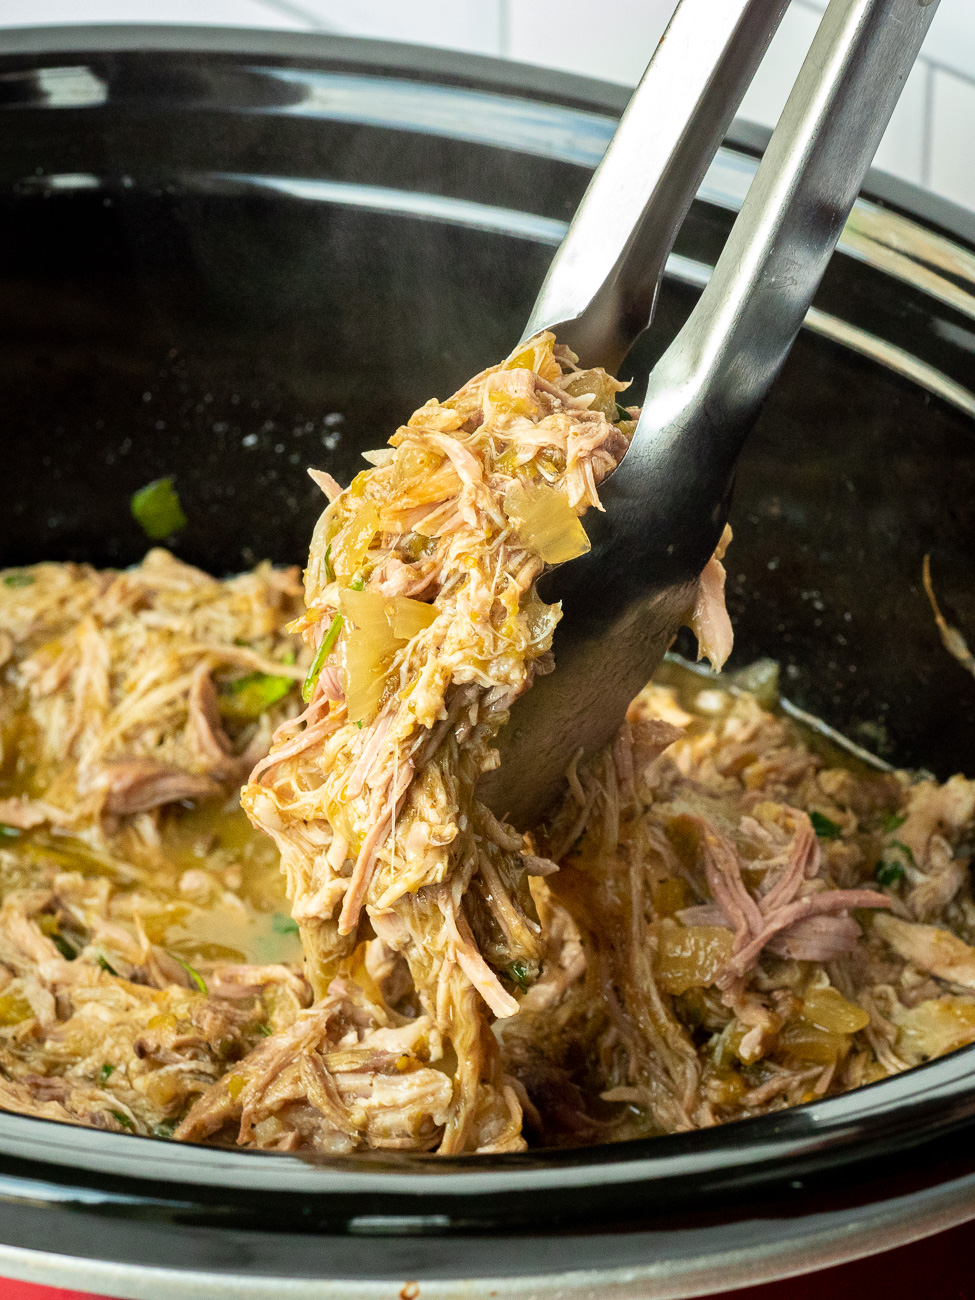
x=719, y=920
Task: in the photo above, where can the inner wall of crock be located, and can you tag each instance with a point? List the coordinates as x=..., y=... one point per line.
x=154, y=321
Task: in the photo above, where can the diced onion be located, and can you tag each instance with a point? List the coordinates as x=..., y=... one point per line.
x=14, y=1008
x=366, y=610
x=691, y=956
x=381, y=625
x=546, y=523
x=423, y=476
x=806, y=1042
x=602, y=386
x=408, y=617
x=349, y=548
x=829, y=1010
x=505, y=404
x=536, y=355
x=935, y=1027
x=381, y=456
x=670, y=896
x=430, y=488
x=365, y=680
x=369, y=650
x=524, y=359
x=393, y=619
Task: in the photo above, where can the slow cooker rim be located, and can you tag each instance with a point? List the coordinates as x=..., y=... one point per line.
x=922, y=216
x=22, y=44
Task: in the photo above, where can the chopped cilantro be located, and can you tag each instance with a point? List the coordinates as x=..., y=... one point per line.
x=893, y=822
x=327, y=563
x=893, y=865
x=314, y=672
x=905, y=849
x=157, y=510
x=248, y=697
x=359, y=724
x=103, y=962
x=105, y=1073
x=888, y=873
x=123, y=1120
x=63, y=947
x=622, y=413
x=825, y=828
x=194, y=975
x=282, y=924
x=517, y=972
x=16, y=579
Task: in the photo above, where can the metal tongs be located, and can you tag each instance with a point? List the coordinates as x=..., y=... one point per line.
x=666, y=505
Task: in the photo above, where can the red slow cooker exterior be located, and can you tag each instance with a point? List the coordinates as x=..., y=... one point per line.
x=938, y=1268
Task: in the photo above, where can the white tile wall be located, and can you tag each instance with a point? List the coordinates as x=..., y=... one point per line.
x=578, y=36
x=248, y=13
x=766, y=96
x=951, y=37
x=904, y=149
x=459, y=24
x=952, y=162
x=929, y=141
x=906, y=146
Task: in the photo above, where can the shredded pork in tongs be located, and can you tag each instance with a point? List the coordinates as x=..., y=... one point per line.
x=422, y=610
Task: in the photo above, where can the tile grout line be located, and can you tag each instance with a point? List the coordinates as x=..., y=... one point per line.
x=938, y=66
x=931, y=67
x=290, y=10
x=810, y=6
x=504, y=28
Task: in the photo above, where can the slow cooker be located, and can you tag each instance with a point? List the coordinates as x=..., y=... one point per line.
x=228, y=255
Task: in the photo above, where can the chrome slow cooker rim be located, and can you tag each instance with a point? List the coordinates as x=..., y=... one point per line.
x=822, y=1183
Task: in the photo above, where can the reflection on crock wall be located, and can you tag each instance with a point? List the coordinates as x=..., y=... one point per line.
x=928, y=142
